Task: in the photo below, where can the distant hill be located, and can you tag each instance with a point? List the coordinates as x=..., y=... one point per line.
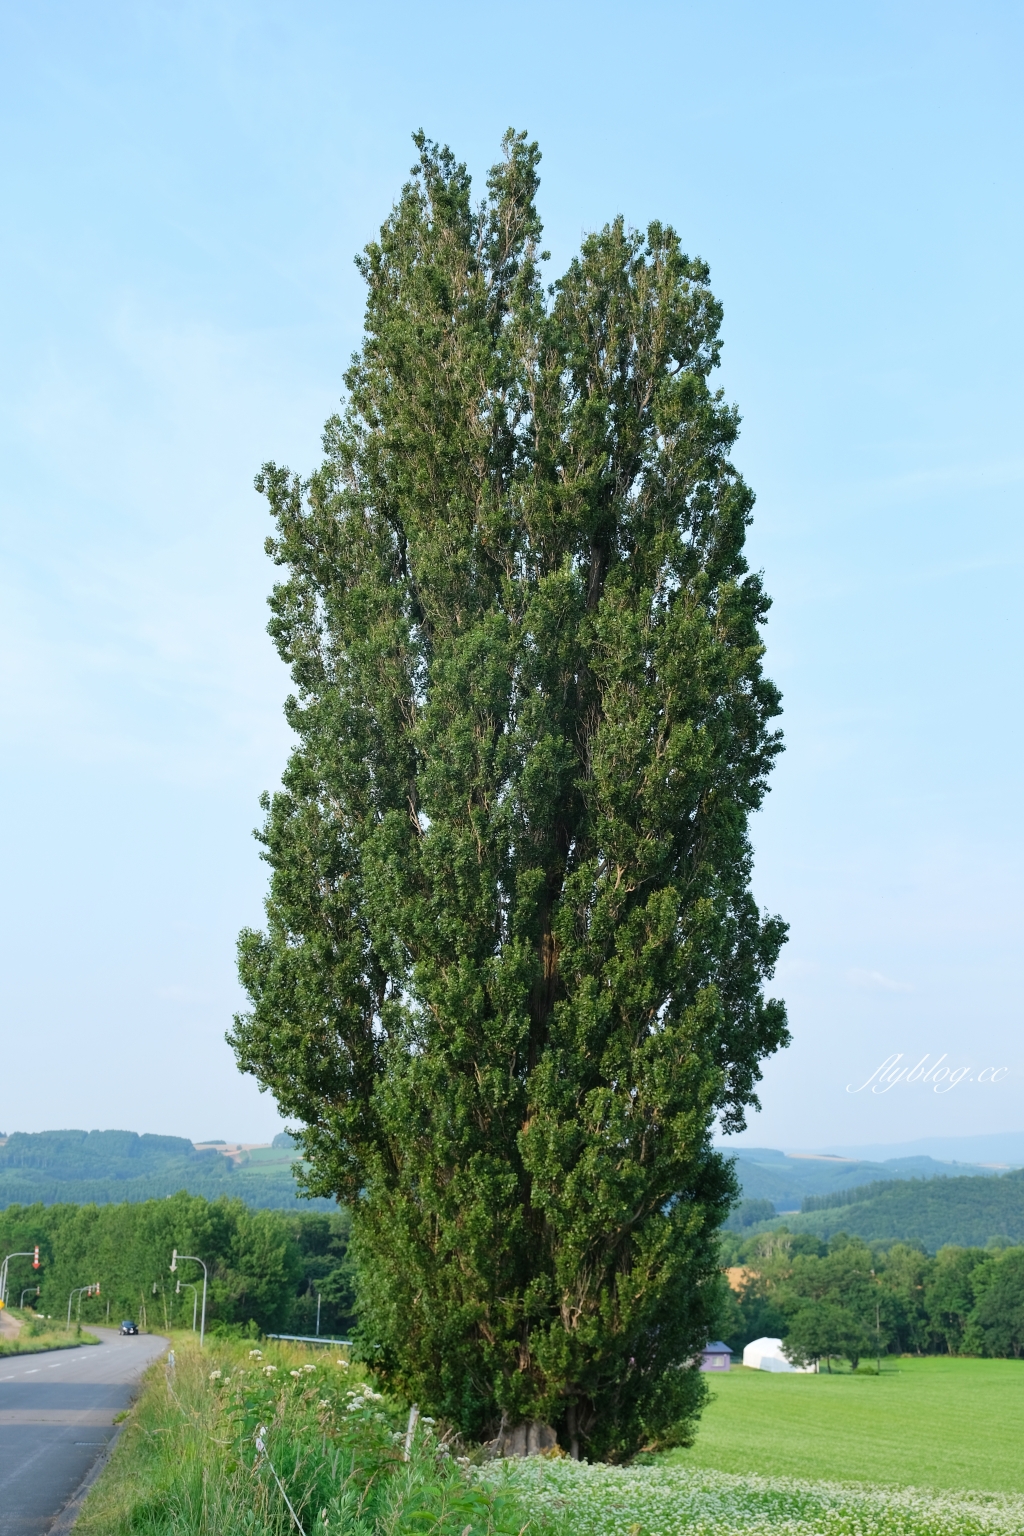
x=968, y=1212
x=786, y=1179
x=1005, y=1147
x=106, y=1167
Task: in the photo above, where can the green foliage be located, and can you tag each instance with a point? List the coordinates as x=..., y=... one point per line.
x=754, y=1314
x=950, y=1294
x=819, y=1329
x=265, y=1266
x=831, y=1300
x=999, y=1313
x=749, y=1213
x=513, y=969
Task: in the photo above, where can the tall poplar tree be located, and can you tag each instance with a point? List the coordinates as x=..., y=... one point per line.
x=513, y=970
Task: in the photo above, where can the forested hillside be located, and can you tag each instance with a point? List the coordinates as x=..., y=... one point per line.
x=786, y=1179
x=967, y=1212
x=104, y=1167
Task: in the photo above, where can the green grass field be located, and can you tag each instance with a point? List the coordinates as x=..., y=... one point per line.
x=926, y=1423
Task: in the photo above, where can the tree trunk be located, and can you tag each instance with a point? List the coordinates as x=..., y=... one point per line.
x=571, y=1426
x=530, y=1438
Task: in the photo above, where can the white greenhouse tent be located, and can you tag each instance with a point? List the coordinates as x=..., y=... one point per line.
x=766, y=1355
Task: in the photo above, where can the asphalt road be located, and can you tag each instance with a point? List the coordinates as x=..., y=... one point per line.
x=56, y=1418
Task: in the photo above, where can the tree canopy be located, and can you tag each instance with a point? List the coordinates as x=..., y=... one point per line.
x=513, y=970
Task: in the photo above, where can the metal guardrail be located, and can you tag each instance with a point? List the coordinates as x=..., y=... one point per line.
x=304, y=1338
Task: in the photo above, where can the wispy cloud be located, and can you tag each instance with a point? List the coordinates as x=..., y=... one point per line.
x=874, y=981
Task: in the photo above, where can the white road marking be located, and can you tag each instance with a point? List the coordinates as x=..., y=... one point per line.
x=33, y=1372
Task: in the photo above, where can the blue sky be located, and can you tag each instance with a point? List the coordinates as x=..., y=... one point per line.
x=184, y=188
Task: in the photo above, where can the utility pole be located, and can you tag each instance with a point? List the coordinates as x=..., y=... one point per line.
x=195, y=1299
x=191, y=1259
x=80, y=1291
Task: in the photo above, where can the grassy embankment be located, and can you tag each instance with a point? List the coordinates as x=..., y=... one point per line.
x=38, y=1334
x=188, y=1463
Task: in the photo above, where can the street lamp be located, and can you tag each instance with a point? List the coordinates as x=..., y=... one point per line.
x=27, y=1292
x=33, y=1255
x=195, y=1298
x=80, y=1291
x=191, y=1259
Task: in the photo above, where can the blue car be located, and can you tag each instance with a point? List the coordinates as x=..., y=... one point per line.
x=128, y=1326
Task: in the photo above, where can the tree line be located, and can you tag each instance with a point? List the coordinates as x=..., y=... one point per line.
x=845, y=1299
x=266, y=1267
x=840, y=1299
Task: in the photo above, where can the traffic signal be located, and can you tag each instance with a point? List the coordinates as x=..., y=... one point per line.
x=35, y=1261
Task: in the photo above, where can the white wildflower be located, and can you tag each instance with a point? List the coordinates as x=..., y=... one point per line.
x=268, y=1370
x=215, y=1375
x=309, y=1367
x=255, y=1354
x=612, y=1501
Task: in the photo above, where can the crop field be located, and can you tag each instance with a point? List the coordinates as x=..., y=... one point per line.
x=937, y=1423
x=670, y=1499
